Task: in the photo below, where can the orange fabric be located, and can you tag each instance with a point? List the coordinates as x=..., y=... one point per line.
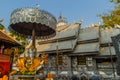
x=5, y=77
x=50, y=75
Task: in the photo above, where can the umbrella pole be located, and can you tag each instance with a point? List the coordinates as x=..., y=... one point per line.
x=33, y=38
x=33, y=41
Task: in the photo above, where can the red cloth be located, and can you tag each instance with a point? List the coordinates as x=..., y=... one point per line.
x=5, y=67
x=4, y=58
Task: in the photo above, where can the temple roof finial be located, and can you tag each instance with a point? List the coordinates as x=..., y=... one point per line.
x=62, y=18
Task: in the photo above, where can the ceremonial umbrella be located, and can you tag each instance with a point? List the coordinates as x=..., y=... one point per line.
x=33, y=21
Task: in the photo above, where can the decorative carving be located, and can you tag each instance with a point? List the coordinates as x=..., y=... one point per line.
x=34, y=18
x=74, y=63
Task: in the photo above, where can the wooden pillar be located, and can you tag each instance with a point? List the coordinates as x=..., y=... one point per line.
x=34, y=50
x=33, y=37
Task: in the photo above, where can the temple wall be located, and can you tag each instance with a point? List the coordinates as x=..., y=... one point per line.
x=78, y=65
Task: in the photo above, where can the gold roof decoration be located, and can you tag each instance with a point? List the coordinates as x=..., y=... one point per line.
x=8, y=40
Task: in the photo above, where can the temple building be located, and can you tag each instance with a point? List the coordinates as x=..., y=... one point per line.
x=76, y=49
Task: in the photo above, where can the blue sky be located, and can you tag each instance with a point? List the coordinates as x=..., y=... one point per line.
x=73, y=10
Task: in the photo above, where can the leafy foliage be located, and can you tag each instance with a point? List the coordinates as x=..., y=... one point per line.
x=1, y=27
x=112, y=18
x=21, y=38
x=115, y=1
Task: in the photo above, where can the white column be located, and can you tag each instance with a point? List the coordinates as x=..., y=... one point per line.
x=95, y=67
x=69, y=66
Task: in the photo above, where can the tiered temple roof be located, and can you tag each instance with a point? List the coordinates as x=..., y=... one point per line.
x=80, y=41
x=65, y=40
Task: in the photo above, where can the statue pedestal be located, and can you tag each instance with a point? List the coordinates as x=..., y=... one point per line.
x=25, y=77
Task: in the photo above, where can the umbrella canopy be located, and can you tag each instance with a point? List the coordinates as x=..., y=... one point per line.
x=24, y=20
x=7, y=40
x=35, y=22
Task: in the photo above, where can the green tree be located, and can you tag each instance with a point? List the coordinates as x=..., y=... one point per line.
x=21, y=38
x=112, y=18
x=115, y=1
x=2, y=27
